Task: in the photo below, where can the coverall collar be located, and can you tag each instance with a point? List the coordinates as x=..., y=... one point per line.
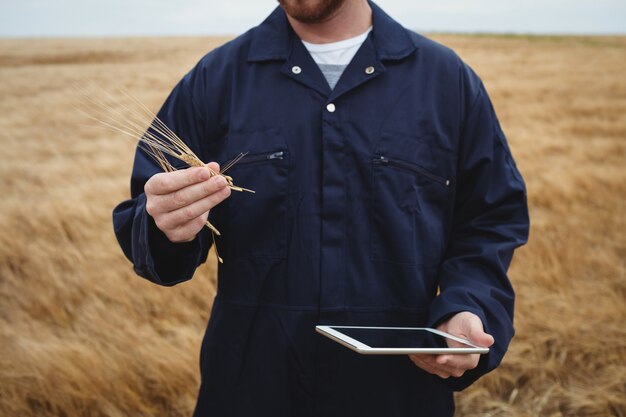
x=273, y=39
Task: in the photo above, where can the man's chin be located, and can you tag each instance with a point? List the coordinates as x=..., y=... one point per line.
x=311, y=11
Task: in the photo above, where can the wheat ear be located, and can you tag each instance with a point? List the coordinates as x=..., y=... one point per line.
x=157, y=140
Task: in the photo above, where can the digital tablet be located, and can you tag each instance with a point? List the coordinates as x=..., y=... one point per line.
x=399, y=340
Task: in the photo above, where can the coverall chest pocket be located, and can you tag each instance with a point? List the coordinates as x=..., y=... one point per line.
x=257, y=223
x=410, y=202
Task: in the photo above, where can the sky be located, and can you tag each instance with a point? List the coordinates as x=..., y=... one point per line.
x=80, y=18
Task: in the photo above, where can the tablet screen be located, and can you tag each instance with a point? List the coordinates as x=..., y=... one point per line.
x=395, y=338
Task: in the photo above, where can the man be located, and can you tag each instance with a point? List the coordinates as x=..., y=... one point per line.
x=386, y=195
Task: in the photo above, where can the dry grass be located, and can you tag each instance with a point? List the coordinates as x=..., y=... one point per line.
x=80, y=335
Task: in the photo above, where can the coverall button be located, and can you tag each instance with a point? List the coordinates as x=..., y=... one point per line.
x=296, y=69
x=369, y=70
x=331, y=107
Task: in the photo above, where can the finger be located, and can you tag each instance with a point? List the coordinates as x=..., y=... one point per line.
x=468, y=326
x=478, y=337
x=429, y=362
x=169, y=182
x=188, y=231
x=456, y=363
x=472, y=329
x=191, y=194
x=176, y=218
x=429, y=365
x=445, y=365
x=450, y=368
x=213, y=166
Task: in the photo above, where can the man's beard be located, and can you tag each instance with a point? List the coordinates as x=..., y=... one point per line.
x=311, y=11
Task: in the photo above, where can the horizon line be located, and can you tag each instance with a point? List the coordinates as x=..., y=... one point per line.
x=225, y=35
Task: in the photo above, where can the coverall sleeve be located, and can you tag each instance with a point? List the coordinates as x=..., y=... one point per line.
x=490, y=221
x=153, y=256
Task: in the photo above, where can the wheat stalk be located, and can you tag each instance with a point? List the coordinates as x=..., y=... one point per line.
x=157, y=140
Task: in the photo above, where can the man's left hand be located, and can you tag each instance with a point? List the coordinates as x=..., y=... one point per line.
x=466, y=325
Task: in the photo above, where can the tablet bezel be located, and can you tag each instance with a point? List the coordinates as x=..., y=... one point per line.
x=360, y=347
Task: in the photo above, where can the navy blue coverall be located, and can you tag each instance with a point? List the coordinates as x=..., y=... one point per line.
x=391, y=200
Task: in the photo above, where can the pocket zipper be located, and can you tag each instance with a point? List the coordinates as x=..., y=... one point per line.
x=412, y=167
x=276, y=155
x=261, y=157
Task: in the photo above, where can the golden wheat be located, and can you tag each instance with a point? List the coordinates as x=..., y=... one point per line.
x=81, y=335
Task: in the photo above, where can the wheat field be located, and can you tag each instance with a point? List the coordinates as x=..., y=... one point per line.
x=81, y=335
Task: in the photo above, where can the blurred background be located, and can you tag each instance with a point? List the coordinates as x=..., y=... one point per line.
x=81, y=335
x=210, y=17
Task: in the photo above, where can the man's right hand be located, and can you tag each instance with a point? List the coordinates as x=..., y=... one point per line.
x=179, y=201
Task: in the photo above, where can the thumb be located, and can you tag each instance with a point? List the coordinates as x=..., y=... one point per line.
x=213, y=166
x=478, y=336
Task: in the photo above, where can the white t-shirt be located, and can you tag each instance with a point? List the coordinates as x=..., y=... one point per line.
x=334, y=57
